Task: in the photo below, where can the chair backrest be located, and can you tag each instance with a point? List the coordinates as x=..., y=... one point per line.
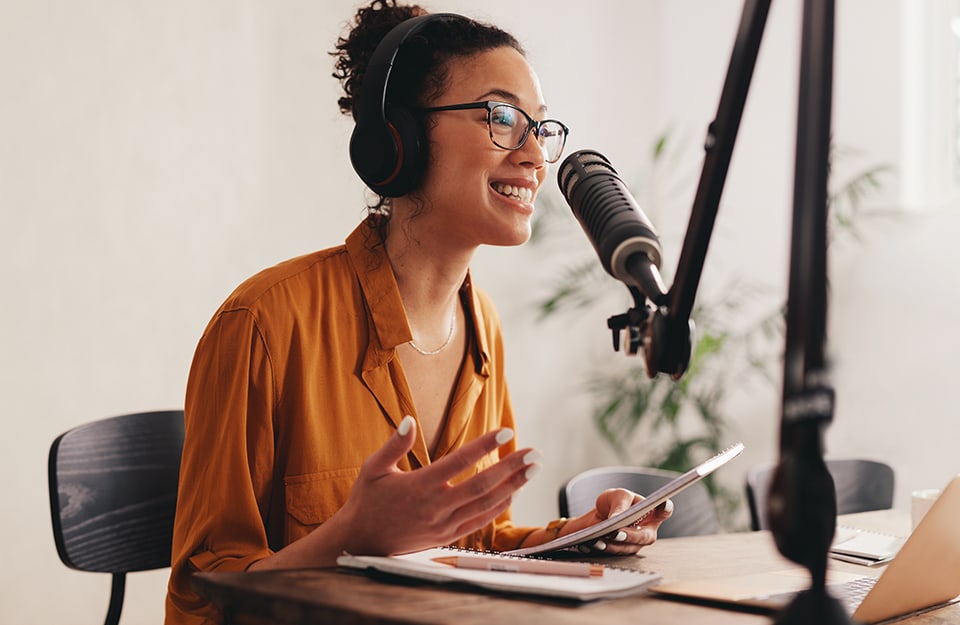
x=862, y=485
x=693, y=515
x=113, y=494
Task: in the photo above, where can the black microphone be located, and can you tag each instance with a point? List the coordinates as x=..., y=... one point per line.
x=621, y=234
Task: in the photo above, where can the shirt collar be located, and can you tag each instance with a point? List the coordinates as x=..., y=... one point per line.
x=368, y=255
x=380, y=291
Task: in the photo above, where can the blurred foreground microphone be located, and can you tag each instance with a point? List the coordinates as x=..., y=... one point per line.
x=628, y=247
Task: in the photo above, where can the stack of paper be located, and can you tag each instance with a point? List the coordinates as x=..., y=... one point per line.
x=864, y=547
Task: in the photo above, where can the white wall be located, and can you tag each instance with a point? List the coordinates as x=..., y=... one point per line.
x=152, y=155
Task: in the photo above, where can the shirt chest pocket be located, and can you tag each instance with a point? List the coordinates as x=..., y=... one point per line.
x=312, y=498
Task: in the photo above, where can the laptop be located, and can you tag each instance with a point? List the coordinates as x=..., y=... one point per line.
x=924, y=574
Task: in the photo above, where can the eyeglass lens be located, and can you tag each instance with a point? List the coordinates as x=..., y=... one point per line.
x=509, y=127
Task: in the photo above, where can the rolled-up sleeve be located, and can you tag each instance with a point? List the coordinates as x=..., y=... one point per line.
x=227, y=472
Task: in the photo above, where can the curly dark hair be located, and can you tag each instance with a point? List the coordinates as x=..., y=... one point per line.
x=419, y=73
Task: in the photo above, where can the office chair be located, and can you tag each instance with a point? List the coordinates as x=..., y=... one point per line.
x=113, y=494
x=693, y=514
x=861, y=485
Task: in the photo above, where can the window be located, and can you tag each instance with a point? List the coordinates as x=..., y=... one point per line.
x=930, y=170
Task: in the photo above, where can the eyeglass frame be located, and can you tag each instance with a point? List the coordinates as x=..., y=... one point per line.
x=489, y=105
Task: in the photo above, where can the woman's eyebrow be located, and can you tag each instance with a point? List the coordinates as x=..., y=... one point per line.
x=506, y=96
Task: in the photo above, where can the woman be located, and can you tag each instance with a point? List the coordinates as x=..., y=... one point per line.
x=354, y=399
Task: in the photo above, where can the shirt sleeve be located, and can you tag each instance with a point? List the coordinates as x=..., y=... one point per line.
x=226, y=470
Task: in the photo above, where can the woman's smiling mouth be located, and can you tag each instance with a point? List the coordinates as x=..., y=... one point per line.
x=522, y=194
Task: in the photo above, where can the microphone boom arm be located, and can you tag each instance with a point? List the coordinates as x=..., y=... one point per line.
x=669, y=337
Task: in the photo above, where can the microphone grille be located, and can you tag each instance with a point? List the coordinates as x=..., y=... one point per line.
x=577, y=166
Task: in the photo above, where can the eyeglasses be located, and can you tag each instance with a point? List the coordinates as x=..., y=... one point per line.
x=509, y=127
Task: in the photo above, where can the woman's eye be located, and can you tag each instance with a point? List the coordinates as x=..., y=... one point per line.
x=504, y=117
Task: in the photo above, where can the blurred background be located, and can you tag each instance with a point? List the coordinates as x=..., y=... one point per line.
x=153, y=155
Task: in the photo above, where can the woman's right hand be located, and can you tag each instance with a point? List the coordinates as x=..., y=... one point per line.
x=390, y=510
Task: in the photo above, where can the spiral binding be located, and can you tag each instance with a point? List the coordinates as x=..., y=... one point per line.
x=505, y=556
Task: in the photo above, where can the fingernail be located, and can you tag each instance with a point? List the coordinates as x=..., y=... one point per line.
x=584, y=549
x=531, y=456
x=600, y=545
x=532, y=470
x=668, y=507
x=404, y=428
x=504, y=435
x=621, y=536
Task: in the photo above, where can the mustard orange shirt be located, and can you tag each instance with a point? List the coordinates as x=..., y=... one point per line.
x=296, y=381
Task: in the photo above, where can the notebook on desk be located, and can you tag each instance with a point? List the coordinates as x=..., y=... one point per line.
x=925, y=573
x=505, y=574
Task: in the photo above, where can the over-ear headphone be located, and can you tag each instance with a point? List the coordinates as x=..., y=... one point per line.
x=388, y=147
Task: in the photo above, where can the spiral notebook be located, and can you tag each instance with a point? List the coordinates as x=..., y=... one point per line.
x=421, y=565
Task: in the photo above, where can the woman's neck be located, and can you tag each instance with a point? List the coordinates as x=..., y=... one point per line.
x=429, y=273
x=429, y=270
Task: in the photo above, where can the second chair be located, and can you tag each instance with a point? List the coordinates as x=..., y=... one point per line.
x=861, y=485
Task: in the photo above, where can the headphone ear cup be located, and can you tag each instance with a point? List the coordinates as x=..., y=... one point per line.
x=373, y=153
x=390, y=158
x=411, y=161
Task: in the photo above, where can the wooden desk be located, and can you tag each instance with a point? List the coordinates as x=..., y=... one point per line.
x=334, y=596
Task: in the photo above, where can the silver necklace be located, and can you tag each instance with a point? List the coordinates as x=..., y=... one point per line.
x=434, y=352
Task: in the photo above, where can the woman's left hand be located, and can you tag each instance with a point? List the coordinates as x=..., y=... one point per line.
x=627, y=540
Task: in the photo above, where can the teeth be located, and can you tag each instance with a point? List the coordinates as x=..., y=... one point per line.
x=523, y=194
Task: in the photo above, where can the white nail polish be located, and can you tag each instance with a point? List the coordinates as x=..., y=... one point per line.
x=600, y=545
x=621, y=536
x=531, y=456
x=504, y=435
x=404, y=428
x=532, y=470
x=668, y=507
